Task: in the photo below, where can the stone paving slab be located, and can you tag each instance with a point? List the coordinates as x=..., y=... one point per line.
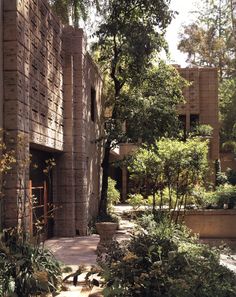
x=75, y=251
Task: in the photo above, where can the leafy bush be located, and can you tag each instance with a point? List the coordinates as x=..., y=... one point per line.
x=202, y=198
x=165, y=260
x=203, y=130
x=113, y=195
x=136, y=200
x=221, y=178
x=27, y=270
x=225, y=194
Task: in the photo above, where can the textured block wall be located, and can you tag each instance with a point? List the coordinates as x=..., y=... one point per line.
x=33, y=71
x=202, y=99
x=48, y=78
x=33, y=95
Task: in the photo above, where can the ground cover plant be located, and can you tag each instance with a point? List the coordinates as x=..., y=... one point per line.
x=163, y=259
x=26, y=269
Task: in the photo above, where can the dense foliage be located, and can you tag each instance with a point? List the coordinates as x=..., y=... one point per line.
x=224, y=196
x=165, y=260
x=72, y=11
x=170, y=167
x=26, y=270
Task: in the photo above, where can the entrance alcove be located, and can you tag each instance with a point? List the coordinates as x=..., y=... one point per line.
x=41, y=192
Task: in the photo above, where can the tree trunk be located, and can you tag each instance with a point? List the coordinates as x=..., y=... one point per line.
x=154, y=202
x=105, y=175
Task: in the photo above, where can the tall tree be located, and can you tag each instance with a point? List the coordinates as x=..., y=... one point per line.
x=130, y=36
x=209, y=41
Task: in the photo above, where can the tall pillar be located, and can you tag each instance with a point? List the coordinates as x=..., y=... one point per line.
x=1, y=64
x=81, y=135
x=65, y=192
x=76, y=126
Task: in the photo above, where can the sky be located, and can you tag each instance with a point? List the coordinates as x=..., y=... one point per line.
x=184, y=7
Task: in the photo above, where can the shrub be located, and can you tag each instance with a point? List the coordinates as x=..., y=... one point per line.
x=165, y=260
x=225, y=194
x=27, y=270
x=136, y=200
x=203, y=130
x=113, y=195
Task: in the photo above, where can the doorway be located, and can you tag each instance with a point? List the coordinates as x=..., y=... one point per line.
x=41, y=194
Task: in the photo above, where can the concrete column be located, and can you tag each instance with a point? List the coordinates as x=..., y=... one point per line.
x=65, y=198
x=81, y=136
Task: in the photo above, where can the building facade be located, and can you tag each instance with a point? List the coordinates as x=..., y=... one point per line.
x=51, y=110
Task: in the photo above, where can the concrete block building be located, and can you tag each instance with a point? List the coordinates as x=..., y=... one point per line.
x=50, y=109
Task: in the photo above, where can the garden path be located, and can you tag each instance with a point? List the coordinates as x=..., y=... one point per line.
x=77, y=251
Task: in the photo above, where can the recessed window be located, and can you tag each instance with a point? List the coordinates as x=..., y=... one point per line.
x=93, y=105
x=194, y=121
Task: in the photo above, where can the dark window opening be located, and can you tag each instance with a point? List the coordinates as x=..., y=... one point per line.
x=93, y=104
x=194, y=122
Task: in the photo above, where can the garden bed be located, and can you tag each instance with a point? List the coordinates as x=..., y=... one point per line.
x=212, y=223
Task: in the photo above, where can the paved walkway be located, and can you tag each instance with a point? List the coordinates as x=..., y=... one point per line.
x=77, y=251
x=82, y=251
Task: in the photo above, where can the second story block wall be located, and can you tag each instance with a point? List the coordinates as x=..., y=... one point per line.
x=33, y=71
x=202, y=102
